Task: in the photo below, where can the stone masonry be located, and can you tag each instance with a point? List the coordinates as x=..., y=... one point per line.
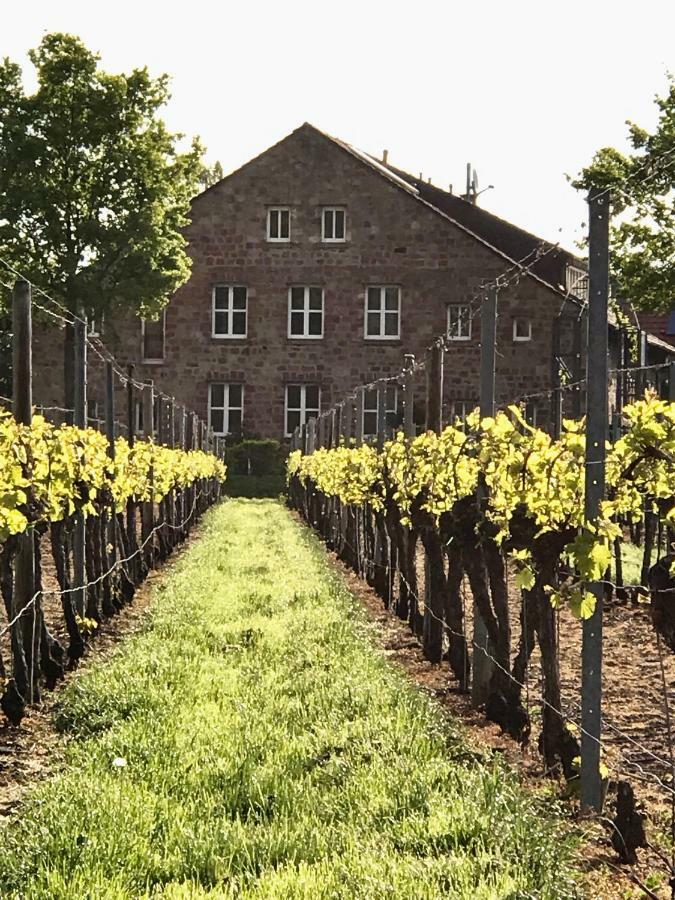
x=392, y=239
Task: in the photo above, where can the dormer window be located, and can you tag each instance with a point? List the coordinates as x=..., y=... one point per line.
x=279, y=224
x=577, y=282
x=333, y=225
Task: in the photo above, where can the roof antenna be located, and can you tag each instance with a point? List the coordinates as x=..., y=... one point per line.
x=472, y=192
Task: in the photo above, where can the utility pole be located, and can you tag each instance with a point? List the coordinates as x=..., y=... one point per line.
x=482, y=664
x=596, y=431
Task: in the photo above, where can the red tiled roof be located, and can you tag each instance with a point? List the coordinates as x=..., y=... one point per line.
x=656, y=324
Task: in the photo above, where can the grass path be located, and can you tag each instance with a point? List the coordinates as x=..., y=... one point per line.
x=252, y=743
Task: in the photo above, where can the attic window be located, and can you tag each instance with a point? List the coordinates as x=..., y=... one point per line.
x=279, y=224
x=333, y=225
x=522, y=330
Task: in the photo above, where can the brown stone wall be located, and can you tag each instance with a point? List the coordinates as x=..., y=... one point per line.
x=392, y=239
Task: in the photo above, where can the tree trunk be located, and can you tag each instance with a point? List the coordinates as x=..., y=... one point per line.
x=59, y=541
x=434, y=596
x=458, y=655
x=557, y=744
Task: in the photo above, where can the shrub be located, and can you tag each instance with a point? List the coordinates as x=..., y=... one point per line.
x=256, y=457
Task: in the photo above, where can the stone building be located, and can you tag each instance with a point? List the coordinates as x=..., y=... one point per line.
x=315, y=269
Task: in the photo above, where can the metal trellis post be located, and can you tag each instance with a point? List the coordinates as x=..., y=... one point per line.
x=596, y=431
x=482, y=664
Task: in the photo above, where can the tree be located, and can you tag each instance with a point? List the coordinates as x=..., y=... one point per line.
x=642, y=248
x=94, y=192
x=212, y=175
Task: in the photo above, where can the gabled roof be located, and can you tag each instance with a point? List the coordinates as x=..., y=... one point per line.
x=515, y=242
x=515, y=245
x=661, y=325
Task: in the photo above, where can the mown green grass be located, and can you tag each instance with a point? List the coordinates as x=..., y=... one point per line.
x=270, y=752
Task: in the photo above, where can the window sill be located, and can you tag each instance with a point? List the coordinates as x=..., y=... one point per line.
x=229, y=337
x=304, y=337
x=459, y=340
x=153, y=362
x=393, y=339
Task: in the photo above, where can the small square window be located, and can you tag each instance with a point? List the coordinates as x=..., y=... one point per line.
x=522, y=329
x=279, y=224
x=305, y=312
x=333, y=224
x=383, y=313
x=459, y=322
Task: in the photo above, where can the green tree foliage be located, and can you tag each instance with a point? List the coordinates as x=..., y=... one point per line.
x=94, y=190
x=642, y=183
x=212, y=174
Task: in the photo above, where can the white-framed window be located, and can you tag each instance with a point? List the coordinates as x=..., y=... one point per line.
x=229, y=311
x=459, y=322
x=333, y=224
x=532, y=413
x=153, y=338
x=577, y=282
x=522, y=329
x=95, y=323
x=460, y=409
x=226, y=407
x=279, y=224
x=303, y=402
x=383, y=313
x=305, y=312
x=371, y=405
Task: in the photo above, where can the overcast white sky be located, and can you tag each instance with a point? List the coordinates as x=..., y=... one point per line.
x=525, y=91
